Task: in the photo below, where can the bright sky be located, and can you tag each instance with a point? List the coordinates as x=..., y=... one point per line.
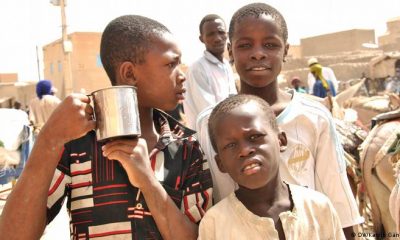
x=25, y=24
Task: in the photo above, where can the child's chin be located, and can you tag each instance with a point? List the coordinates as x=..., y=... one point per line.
x=169, y=107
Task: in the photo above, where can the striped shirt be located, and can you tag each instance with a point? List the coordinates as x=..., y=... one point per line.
x=102, y=203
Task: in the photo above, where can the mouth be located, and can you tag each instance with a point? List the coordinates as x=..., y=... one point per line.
x=259, y=68
x=180, y=94
x=251, y=167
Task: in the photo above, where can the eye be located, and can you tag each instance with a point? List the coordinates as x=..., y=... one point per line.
x=271, y=45
x=256, y=136
x=230, y=145
x=173, y=64
x=243, y=45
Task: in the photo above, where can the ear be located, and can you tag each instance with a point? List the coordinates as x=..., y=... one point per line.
x=201, y=38
x=282, y=140
x=219, y=163
x=126, y=74
x=286, y=52
x=229, y=47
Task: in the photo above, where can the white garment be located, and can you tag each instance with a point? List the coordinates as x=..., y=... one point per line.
x=312, y=217
x=41, y=109
x=313, y=158
x=209, y=81
x=328, y=74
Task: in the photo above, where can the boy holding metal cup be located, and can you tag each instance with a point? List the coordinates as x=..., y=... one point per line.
x=143, y=194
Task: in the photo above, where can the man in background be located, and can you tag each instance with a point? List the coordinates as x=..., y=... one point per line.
x=41, y=107
x=327, y=74
x=209, y=79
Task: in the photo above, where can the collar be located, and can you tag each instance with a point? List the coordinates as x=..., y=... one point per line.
x=211, y=58
x=169, y=128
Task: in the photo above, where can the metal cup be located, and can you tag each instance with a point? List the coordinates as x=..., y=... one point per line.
x=116, y=112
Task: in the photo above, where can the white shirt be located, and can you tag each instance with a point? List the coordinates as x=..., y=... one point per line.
x=41, y=109
x=312, y=217
x=328, y=74
x=209, y=81
x=314, y=156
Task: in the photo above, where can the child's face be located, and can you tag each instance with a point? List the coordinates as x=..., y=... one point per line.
x=248, y=147
x=214, y=36
x=258, y=50
x=160, y=79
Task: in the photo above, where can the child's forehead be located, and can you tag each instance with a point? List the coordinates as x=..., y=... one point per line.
x=249, y=110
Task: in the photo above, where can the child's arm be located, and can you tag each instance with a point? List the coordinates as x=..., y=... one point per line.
x=24, y=215
x=133, y=155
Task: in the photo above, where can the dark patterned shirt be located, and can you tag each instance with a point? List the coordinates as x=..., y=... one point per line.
x=102, y=203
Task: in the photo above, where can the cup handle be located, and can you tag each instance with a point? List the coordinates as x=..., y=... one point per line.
x=92, y=105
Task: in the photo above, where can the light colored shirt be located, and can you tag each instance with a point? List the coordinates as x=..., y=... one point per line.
x=209, y=81
x=41, y=109
x=314, y=156
x=328, y=74
x=312, y=217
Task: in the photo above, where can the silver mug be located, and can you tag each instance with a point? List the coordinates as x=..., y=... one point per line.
x=116, y=112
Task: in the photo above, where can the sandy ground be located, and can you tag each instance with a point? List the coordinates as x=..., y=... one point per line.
x=57, y=229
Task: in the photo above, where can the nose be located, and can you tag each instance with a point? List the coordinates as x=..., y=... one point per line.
x=220, y=37
x=258, y=54
x=180, y=78
x=246, y=149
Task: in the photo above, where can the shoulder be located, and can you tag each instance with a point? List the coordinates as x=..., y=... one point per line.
x=309, y=198
x=216, y=211
x=312, y=104
x=197, y=64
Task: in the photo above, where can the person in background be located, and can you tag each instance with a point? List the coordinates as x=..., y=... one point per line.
x=210, y=79
x=393, y=84
x=41, y=107
x=322, y=87
x=327, y=73
x=296, y=84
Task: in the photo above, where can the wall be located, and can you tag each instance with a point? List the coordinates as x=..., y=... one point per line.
x=350, y=40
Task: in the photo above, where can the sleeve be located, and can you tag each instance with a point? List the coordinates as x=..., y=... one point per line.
x=207, y=229
x=199, y=93
x=310, y=82
x=330, y=174
x=197, y=184
x=337, y=226
x=332, y=77
x=59, y=186
x=222, y=182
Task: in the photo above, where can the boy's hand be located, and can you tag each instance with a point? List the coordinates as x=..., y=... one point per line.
x=134, y=157
x=70, y=120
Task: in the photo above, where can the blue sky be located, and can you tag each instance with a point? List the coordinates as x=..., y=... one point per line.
x=26, y=24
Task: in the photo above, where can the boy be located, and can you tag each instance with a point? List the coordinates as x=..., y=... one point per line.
x=141, y=197
x=246, y=138
x=210, y=78
x=314, y=157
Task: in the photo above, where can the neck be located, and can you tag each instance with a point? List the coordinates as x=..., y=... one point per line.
x=266, y=200
x=220, y=56
x=147, y=128
x=272, y=94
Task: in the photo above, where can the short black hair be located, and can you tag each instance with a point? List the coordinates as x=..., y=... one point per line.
x=256, y=10
x=230, y=103
x=207, y=18
x=127, y=38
